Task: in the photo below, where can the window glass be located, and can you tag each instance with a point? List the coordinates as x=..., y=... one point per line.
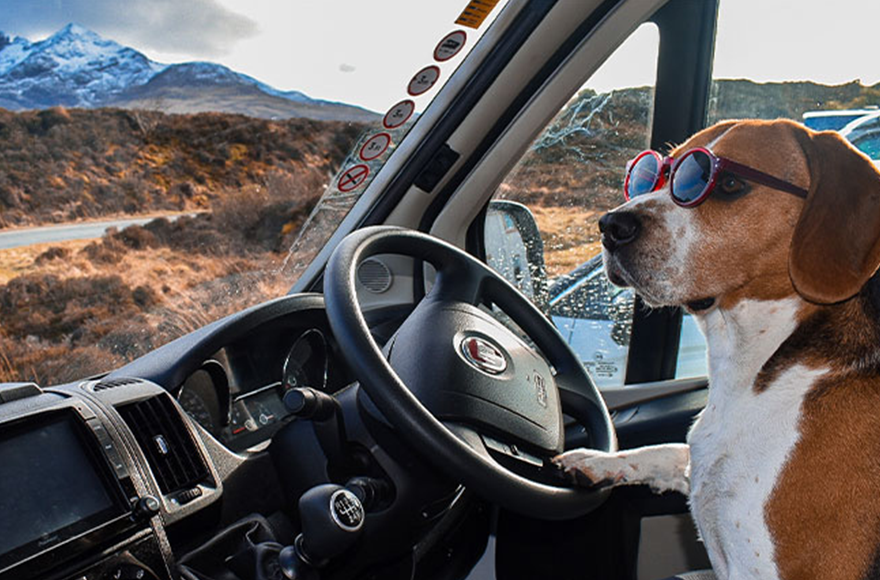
x=572, y=174
x=166, y=164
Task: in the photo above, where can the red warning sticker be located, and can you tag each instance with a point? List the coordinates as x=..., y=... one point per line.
x=353, y=177
x=375, y=146
x=451, y=45
x=398, y=114
x=423, y=81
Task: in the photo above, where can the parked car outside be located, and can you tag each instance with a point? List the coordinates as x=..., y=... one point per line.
x=864, y=133
x=861, y=127
x=835, y=120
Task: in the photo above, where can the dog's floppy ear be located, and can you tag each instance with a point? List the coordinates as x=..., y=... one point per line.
x=836, y=244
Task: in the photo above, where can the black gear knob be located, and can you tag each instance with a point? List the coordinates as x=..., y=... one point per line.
x=332, y=518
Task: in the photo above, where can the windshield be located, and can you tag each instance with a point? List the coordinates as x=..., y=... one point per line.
x=164, y=165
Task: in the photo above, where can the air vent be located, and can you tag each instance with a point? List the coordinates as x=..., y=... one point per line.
x=168, y=446
x=374, y=275
x=112, y=384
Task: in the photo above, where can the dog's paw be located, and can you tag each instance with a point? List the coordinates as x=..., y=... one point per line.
x=591, y=468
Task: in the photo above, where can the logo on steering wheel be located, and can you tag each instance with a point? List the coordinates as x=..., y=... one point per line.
x=483, y=355
x=540, y=389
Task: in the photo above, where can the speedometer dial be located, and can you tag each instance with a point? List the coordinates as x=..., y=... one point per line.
x=306, y=362
x=205, y=395
x=198, y=409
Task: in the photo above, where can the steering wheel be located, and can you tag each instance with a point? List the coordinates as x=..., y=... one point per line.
x=460, y=386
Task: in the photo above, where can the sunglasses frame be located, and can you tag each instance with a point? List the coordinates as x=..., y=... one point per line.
x=667, y=168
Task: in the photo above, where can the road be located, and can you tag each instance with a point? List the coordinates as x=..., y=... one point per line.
x=20, y=237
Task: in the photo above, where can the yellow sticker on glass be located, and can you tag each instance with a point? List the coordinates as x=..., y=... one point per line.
x=476, y=12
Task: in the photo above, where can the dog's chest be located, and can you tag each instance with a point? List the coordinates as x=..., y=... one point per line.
x=738, y=447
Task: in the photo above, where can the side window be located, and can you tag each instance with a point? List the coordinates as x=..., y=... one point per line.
x=570, y=177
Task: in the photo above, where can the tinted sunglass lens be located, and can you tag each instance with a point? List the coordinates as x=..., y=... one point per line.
x=643, y=176
x=692, y=177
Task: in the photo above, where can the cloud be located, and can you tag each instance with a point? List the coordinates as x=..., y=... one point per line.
x=201, y=28
x=347, y=68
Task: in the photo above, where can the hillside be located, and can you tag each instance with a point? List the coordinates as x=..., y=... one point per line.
x=76, y=308
x=71, y=309
x=60, y=165
x=741, y=99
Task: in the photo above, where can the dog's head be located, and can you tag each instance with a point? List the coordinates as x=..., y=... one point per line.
x=748, y=240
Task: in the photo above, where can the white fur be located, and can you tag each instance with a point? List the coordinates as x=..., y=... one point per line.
x=742, y=439
x=663, y=467
x=662, y=278
x=738, y=445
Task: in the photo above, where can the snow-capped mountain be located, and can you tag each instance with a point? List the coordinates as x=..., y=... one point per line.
x=76, y=67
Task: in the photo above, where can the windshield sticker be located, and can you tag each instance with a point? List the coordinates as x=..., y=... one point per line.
x=375, y=146
x=353, y=177
x=398, y=114
x=476, y=13
x=423, y=81
x=451, y=45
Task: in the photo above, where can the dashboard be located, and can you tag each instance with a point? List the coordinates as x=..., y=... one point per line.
x=106, y=479
x=237, y=394
x=168, y=463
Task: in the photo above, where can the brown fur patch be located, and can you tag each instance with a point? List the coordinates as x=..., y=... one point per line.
x=844, y=337
x=747, y=238
x=824, y=515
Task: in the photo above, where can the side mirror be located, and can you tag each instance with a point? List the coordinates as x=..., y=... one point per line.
x=514, y=248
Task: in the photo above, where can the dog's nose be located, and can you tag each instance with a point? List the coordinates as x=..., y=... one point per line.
x=619, y=228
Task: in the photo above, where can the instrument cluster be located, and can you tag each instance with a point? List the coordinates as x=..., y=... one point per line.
x=237, y=395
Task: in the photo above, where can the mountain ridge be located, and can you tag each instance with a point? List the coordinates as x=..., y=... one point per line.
x=76, y=67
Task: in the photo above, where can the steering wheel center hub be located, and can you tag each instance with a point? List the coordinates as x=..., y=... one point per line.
x=483, y=355
x=489, y=382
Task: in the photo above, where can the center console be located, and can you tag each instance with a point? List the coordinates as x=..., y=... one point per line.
x=70, y=507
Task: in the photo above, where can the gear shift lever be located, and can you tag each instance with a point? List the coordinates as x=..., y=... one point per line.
x=331, y=518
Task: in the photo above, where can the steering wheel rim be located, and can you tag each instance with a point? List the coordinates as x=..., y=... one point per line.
x=463, y=278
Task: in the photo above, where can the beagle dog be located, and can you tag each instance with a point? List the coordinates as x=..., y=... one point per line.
x=769, y=233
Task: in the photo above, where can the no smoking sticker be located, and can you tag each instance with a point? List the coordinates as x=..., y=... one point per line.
x=424, y=80
x=353, y=177
x=398, y=114
x=451, y=45
x=375, y=146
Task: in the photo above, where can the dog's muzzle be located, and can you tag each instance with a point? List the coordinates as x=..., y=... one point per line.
x=619, y=228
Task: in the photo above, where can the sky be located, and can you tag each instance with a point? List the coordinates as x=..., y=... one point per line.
x=364, y=51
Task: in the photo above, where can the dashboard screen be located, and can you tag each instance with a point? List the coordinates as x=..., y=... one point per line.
x=50, y=488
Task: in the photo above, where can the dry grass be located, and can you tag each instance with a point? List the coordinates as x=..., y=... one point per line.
x=571, y=236
x=58, y=166
x=78, y=308
x=99, y=315
x=16, y=262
